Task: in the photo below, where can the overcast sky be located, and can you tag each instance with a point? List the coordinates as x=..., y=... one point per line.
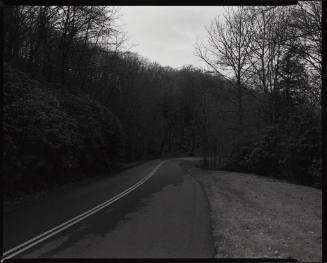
x=167, y=35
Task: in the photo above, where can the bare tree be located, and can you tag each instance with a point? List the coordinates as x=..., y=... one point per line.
x=306, y=30
x=269, y=30
x=227, y=48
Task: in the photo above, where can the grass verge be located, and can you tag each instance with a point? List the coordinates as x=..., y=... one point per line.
x=256, y=217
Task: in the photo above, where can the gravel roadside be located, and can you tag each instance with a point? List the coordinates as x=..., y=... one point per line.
x=255, y=217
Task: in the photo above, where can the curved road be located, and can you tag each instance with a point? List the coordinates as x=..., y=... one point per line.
x=166, y=215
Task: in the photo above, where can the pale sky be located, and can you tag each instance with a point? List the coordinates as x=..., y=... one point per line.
x=167, y=34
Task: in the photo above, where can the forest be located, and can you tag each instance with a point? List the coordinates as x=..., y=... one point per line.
x=77, y=103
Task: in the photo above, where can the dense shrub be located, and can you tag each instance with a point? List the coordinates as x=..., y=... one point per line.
x=49, y=139
x=101, y=131
x=288, y=150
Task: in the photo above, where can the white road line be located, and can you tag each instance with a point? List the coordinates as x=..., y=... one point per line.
x=38, y=239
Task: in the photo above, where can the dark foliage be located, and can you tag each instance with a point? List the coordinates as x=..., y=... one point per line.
x=47, y=137
x=289, y=150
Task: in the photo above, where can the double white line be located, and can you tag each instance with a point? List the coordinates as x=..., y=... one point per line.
x=38, y=239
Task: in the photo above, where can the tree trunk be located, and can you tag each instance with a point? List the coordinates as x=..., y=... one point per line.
x=240, y=104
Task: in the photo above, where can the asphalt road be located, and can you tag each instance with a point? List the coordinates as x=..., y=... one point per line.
x=165, y=216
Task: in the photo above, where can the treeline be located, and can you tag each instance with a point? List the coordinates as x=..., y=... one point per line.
x=76, y=104
x=274, y=52
x=54, y=132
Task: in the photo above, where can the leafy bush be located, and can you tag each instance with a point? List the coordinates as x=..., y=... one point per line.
x=288, y=150
x=49, y=139
x=101, y=131
x=301, y=152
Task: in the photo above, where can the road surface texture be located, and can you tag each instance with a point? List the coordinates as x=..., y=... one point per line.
x=166, y=216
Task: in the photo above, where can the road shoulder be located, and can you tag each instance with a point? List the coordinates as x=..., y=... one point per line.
x=254, y=216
